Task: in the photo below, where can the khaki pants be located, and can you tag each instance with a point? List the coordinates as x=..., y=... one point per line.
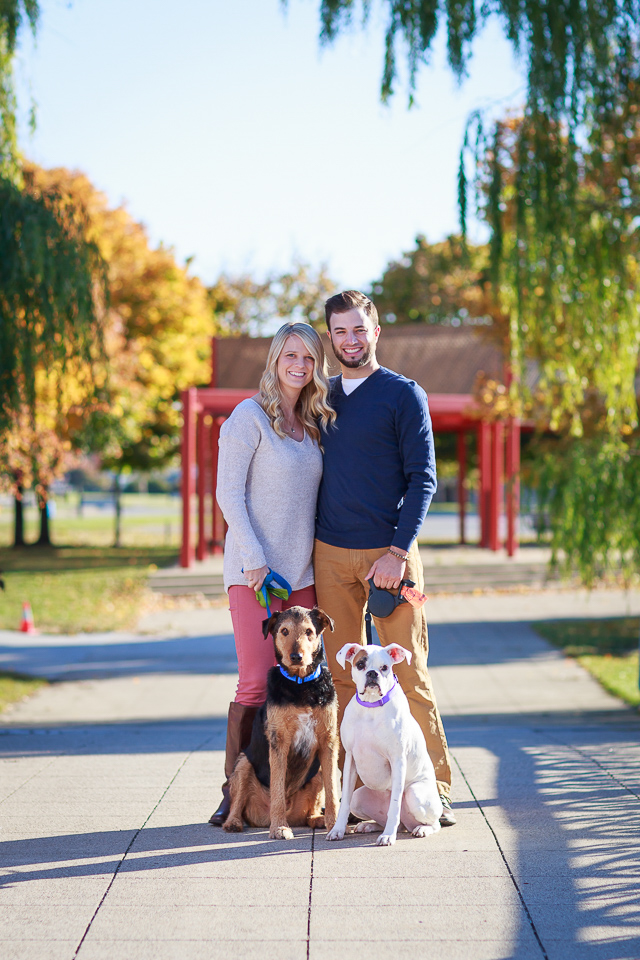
x=342, y=592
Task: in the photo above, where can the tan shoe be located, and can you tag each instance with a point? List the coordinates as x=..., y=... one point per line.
x=448, y=817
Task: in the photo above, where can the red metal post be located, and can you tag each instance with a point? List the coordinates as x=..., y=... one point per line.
x=201, y=549
x=188, y=470
x=462, y=473
x=217, y=532
x=497, y=480
x=513, y=483
x=214, y=362
x=484, y=481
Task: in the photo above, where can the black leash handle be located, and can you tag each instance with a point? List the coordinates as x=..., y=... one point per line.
x=398, y=600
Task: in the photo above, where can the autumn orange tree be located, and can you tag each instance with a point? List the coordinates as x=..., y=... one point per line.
x=157, y=334
x=52, y=298
x=52, y=312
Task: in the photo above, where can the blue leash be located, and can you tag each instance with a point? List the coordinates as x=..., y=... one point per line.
x=273, y=578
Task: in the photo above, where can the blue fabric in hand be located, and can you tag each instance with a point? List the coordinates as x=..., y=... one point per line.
x=273, y=585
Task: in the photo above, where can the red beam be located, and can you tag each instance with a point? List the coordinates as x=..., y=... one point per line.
x=217, y=531
x=497, y=470
x=188, y=469
x=513, y=483
x=484, y=482
x=218, y=401
x=462, y=472
x=201, y=460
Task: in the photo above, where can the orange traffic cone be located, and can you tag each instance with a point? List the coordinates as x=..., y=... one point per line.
x=27, y=625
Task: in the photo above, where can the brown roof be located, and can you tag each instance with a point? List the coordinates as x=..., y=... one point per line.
x=440, y=359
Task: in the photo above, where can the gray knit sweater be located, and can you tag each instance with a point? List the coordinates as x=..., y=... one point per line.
x=267, y=491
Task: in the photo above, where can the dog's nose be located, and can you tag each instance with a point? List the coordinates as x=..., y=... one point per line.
x=295, y=657
x=372, y=674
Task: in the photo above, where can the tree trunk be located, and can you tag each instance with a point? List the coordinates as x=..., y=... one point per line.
x=18, y=522
x=117, y=498
x=44, y=540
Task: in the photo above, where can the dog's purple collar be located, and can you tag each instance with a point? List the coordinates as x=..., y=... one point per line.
x=378, y=703
x=312, y=676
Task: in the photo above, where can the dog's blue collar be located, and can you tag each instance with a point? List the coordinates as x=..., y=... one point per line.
x=312, y=676
x=379, y=703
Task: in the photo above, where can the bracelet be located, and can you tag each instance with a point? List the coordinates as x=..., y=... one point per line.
x=398, y=555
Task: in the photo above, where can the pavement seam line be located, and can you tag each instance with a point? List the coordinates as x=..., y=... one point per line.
x=506, y=862
x=36, y=774
x=585, y=756
x=313, y=850
x=133, y=840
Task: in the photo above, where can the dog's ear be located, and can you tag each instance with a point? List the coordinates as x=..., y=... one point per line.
x=398, y=653
x=321, y=620
x=347, y=653
x=268, y=625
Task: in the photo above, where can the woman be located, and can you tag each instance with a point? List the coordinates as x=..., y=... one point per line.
x=269, y=471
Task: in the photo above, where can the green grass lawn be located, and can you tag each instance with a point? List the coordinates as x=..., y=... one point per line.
x=83, y=583
x=13, y=687
x=147, y=520
x=77, y=589
x=608, y=649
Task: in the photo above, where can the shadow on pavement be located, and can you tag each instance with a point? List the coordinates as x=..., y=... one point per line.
x=564, y=812
x=557, y=792
x=95, y=659
x=121, y=738
x=154, y=848
x=108, y=655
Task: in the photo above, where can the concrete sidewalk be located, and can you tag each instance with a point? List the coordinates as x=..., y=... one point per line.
x=108, y=776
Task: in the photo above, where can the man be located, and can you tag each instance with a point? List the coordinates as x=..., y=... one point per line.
x=379, y=478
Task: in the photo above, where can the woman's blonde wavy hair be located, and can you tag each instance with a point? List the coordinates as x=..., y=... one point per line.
x=312, y=407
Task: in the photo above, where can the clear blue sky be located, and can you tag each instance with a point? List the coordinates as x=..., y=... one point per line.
x=235, y=138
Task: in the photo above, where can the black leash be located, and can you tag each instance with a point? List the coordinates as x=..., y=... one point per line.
x=381, y=603
x=367, y=626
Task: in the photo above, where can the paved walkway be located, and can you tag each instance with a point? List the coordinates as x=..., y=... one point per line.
x=108, y=776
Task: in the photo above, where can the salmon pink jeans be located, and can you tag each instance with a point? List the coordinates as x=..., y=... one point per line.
x=255, y=654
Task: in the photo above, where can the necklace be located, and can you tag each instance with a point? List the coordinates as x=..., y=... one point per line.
x=289, y=426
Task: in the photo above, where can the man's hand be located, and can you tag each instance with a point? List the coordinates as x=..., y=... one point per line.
x=387, y=571
x=255, y=578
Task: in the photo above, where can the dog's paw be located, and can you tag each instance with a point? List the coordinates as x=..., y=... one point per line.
x=386, y=840
x=336, y=833
x=281, y=833
x=316, y=823
x=423, y=830
x=232, y=825
x=366, y=826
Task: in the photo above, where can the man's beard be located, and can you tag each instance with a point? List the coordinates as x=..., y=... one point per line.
x=354, y=364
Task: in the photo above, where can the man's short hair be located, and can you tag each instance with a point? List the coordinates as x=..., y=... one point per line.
x=348, y=300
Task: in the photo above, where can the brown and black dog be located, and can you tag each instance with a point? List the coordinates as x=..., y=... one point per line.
x=290, y=767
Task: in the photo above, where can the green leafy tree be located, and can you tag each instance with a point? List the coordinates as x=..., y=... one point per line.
x=52, y=294
x=50, y=277
x=13, y=15
x=571, y=296
x=243, y=305
x=560, y=190
x=440, y=283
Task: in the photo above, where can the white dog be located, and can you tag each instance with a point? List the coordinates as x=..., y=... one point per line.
x=385, y=747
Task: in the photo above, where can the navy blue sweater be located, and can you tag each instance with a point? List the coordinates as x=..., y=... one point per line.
x=379, y=464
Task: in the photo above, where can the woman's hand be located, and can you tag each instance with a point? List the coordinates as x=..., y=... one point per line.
x=255, y=578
